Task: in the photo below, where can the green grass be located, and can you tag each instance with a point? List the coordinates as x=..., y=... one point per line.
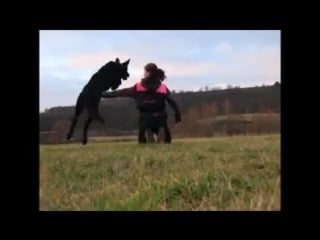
x=231, y=173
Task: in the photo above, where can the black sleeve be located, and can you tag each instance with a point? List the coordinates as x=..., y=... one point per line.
x=126, y=92
x=173, y=104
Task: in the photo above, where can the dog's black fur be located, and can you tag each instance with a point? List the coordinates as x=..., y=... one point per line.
x=108, y=76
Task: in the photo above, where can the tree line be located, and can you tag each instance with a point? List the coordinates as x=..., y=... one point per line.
x=204, y=113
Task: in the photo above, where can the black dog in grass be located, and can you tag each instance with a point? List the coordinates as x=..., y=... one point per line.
x=108, y=76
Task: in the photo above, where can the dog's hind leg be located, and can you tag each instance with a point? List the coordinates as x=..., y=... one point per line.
x=85, y=130
x=94, y=112
x=78, y=110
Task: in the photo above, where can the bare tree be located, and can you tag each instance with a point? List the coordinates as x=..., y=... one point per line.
x=214, y=109
x=208, y=110
x=227, y=107
x=59, y=130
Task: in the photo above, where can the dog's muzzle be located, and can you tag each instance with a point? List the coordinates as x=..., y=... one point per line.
x=126, y=77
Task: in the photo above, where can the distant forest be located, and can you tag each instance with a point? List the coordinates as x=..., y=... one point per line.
x=204, y=113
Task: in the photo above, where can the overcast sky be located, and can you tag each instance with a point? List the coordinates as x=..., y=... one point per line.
x=191, y=59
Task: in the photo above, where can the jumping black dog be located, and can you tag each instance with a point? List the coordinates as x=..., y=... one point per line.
x=108, y=76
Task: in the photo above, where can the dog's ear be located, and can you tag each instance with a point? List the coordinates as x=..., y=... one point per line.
x=126, y=62
x=117, y=60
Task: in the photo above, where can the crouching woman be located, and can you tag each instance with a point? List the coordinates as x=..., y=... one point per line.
x=150, y=96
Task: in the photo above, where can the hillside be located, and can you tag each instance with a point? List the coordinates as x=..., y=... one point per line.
x=121, y=114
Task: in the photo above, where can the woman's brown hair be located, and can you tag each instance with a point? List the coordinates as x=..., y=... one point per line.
x=153, y=69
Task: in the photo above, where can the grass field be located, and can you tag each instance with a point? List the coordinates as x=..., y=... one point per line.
x=229, y=173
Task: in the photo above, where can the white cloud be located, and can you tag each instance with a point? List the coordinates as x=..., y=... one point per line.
x=191, y=69
x=222, y=47
x=262, y=66
x=95, y=60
